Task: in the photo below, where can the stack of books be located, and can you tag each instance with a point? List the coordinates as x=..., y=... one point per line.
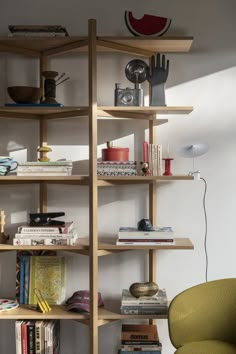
x=139, y=339
x=132, y=236
x=144, y=305
x=37, y=336
x=37, y=31
x=46, y=235
x=51, y=168
x=117, y=168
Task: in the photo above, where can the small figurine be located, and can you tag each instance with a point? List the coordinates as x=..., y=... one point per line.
x=145, y=169
x=43, y=150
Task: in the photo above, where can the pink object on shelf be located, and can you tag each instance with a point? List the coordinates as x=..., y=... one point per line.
x=145, y=151
x=167, y=166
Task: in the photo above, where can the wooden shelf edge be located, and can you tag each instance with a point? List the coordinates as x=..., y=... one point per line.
x=106, y=181
x=82, y=249
x=106, y=246
x=143, y=46
x=110, y=246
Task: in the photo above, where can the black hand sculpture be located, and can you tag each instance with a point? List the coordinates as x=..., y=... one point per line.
x=157, y=77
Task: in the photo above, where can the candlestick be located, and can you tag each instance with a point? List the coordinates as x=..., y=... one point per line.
x=167, y=166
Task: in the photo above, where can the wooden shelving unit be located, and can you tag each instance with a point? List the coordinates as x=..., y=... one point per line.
x=94, y=246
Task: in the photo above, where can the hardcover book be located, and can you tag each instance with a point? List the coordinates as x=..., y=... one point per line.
x=154, y=242
x=133, y=232
x=44, y=241
x=48, y=274
x=138, y=332
x=160, y=298
x=25, y=229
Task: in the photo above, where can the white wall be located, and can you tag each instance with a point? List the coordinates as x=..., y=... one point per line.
x=204, y=78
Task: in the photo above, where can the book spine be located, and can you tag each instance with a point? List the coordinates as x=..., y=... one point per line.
x=140, y=352
x=145, y=234
x=22, y=279
x=43, y=241
x=28, y=235
x=45, y=230
x=146, y=240
x=121, y=243
x=38, y=326
x=31, y=338
x=18, y=337
x=135, y=347
x=140, y=343
x=24, y=338
x=49, y=174
x=143, y=311
x=138, y=336
x=26, y=283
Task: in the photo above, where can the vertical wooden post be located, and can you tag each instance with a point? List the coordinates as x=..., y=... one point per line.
x=42, y=138
x=93, y=242
x=152, y=214
x=152, y=210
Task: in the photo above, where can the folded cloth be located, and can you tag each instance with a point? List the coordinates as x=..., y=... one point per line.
x=7, y=164
x=80, y=301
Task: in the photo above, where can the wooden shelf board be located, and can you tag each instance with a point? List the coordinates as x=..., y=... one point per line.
x=104, y=244
x=35, y=45
x=104, y=181
x=80, y=247
x=59, y=312
x=180, y=244
x=82, y=180
x=103, y=112
x=37, y=112
x=116, y=111
x=55, y=45
x=150, y=44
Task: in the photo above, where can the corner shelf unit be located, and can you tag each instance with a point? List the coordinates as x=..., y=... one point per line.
x=43, y=48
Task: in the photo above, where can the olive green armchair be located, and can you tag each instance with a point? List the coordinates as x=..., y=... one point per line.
x=202, y=319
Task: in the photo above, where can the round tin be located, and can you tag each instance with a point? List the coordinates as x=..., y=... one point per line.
x=115, y=154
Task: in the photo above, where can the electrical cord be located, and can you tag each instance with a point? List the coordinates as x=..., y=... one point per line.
x=205, y=237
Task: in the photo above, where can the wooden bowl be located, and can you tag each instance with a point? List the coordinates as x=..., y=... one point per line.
x=24, y=94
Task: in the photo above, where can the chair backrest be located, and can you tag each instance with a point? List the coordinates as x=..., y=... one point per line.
x=204, y=312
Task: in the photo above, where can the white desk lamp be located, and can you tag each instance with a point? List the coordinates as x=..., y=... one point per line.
x=192, y=151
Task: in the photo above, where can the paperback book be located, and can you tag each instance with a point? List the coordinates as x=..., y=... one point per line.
x=48, y=274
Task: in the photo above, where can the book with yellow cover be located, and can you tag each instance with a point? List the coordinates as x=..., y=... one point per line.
x=48, y=274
